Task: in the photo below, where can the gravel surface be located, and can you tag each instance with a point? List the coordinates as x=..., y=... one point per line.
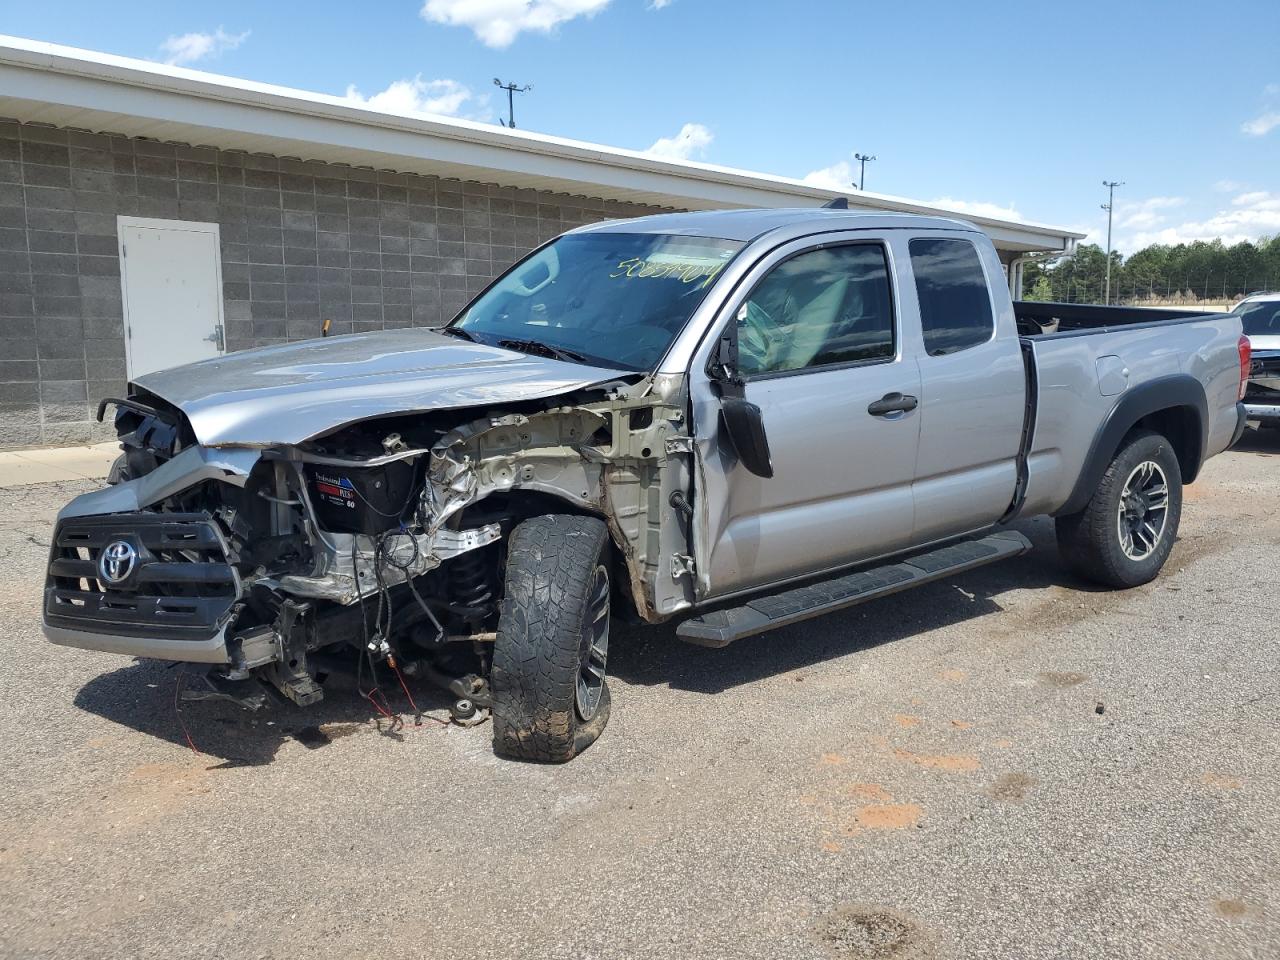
x=1005, y=764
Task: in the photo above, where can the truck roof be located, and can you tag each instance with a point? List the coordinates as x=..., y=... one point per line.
x=748, y=224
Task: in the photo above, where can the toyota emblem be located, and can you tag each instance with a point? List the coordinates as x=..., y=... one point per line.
x=117, y=561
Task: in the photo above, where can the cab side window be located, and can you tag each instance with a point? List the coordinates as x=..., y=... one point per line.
x=817, y=309
x=955, y=305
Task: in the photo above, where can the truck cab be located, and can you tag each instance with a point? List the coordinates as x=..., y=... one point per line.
x=887, y=354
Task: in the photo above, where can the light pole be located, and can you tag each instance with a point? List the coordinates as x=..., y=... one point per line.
x=1111, y=197
x=512, y=89
x=862, y=159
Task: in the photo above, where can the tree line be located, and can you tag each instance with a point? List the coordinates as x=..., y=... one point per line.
x=1207, y=271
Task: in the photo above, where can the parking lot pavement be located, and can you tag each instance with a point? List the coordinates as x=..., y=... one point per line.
x=1006, y=764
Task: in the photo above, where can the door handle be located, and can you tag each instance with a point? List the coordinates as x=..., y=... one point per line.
x=892, y=403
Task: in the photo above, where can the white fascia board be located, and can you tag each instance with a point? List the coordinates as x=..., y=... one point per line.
x=72, y=87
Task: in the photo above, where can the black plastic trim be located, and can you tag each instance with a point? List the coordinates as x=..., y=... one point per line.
x=146, y=604
x=1082, y=320
x=1164, y=393
x=719, y=628
x=1030, y=413
x=1242, y=421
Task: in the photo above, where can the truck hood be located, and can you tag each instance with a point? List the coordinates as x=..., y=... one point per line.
x=289, y=393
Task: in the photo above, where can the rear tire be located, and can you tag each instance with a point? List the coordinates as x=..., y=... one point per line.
x=1123, y=537
x=550, y=699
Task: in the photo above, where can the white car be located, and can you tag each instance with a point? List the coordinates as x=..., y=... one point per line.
x=1260, y=316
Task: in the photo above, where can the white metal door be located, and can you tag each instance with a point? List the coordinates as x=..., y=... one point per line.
x=171, y=278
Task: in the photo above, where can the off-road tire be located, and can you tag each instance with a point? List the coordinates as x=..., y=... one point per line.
x=536, y=656
x=1089, y=541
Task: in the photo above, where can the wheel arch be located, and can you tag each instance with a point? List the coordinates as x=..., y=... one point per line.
x=1175, y=407
x=523, y=504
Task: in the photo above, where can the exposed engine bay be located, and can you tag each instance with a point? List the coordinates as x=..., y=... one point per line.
x=386, y=536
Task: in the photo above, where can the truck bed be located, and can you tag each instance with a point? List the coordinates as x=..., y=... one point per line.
x=1087, y=358
x=1044, y=319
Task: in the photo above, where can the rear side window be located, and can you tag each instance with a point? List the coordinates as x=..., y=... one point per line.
x=955, y=305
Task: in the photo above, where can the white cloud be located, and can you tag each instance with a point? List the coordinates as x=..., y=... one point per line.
x=1134, y=222
x=497, y=23
x=416, y=97
x=1260, y=126
x=1256, y=198
x=1228, y=186
x=1269, y=119
x=659, y=4
x=1093, y=232
x=843, y=177
x=977, y=208
x=1252, y=215
x=689, y=144
x=838, y=176
x=1145, y=214
x=190, y=47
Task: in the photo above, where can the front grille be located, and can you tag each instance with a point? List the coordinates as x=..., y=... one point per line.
x=178, y=584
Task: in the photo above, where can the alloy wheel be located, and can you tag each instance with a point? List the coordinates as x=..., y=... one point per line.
x=594, y=648
x=1143, y=511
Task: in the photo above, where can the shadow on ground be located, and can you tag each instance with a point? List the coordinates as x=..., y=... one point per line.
x=648, y=656
x=1263, y=441
x=142, y=695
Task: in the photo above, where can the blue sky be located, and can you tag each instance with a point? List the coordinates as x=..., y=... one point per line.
x=1018, y=107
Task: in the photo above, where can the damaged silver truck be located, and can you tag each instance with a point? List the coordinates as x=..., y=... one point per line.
x=735, y=420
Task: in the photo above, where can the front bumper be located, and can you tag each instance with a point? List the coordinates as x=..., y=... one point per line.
x=210, y=650
x=173, y=602
x=1262, y=395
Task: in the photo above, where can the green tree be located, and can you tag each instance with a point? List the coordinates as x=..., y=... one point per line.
x=1199, y=270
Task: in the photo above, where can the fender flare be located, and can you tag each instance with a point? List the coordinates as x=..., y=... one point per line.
x=1165, y=393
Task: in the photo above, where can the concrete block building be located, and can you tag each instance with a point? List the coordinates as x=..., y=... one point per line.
x=152, y=215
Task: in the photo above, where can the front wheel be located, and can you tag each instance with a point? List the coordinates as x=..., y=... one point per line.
x=1123, y=536
x=550, y=699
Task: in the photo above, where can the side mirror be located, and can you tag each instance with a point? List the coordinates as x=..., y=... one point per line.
x=744, y=424
x=724, y=363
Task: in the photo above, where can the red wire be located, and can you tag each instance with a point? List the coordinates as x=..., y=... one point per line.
x=417, y=714
x=384, y=710
x=177, y=690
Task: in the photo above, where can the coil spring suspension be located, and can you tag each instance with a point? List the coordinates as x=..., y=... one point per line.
x=471, y=580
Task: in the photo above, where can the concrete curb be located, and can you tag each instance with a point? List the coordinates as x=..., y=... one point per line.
x=18, y=468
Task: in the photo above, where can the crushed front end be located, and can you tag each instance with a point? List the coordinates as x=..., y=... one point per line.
x=384, y=538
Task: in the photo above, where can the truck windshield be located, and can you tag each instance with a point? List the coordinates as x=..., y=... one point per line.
x=611, y=299
x=1260, y=318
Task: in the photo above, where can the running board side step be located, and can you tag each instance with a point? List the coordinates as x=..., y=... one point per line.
x=720, y=628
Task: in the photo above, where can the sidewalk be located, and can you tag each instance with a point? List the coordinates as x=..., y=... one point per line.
x=21, y=467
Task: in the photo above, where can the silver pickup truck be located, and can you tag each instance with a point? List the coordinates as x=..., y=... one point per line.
x=736, y=420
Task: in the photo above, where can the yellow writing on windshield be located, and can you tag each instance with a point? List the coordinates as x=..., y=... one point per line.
x=686, y=271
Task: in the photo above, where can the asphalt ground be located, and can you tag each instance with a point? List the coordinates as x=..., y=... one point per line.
x=1006, y=764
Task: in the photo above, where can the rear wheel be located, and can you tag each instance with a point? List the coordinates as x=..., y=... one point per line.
x=1123, y=537
x=550, y=699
